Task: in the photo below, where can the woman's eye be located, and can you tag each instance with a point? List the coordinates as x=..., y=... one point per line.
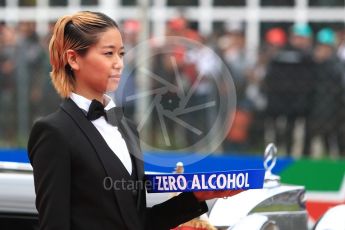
x=122, y=54
x=109, y=53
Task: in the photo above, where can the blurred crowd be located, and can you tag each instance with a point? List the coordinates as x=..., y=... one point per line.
x=291, y=93
x=25, y=88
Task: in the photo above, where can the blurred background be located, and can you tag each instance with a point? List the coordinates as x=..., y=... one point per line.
x=286, y=59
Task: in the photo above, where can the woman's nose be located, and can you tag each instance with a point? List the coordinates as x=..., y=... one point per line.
x=118, y=62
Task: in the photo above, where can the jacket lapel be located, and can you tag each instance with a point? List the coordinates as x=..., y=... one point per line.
x=130, y=135
x=113, y=168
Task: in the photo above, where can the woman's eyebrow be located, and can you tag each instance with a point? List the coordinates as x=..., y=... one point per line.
x=112, y=47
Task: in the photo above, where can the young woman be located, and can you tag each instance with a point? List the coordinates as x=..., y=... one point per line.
x=78, y=150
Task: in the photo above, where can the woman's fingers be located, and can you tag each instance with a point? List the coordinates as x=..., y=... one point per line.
x=226, y=193
x=207, y=195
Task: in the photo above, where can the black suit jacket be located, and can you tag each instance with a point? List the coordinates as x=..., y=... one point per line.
x=71, y=161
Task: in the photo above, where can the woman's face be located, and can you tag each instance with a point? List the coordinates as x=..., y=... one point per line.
x=100, y=68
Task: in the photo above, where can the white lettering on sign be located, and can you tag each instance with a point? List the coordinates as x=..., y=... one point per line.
x=181, y=182
x=195, y=182
x=203, y=182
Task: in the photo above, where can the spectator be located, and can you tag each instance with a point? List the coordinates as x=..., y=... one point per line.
x=31, y=75
x=50, y=99
x=289, y=82
x=232, y=46
x=233, y=51
x=325, y=117
x=127, y=86
x=275, y=39
x=8, y=73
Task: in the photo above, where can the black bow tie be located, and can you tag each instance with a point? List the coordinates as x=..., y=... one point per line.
x=96, y=110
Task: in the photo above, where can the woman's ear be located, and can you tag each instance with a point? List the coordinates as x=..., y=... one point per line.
x=72, y=59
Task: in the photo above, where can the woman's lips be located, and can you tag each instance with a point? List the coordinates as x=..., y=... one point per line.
x=116, y=76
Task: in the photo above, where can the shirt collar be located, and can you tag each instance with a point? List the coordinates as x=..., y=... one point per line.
x=84, y=103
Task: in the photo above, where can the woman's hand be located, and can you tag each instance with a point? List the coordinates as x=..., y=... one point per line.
x=207, y=195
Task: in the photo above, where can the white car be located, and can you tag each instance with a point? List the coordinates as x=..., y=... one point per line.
x=276, y=206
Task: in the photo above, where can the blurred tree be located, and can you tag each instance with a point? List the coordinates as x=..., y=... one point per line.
x=129, y=2
x=277, y=2
x=58, y=2
x=326, y=2
x=182, y=3
x=229, y=3
x=89, y=2
x=27, y=2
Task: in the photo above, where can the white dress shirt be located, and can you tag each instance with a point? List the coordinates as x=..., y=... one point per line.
x=110, y=133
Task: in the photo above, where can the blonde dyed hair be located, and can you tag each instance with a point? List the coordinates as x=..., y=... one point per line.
x=74, y=32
